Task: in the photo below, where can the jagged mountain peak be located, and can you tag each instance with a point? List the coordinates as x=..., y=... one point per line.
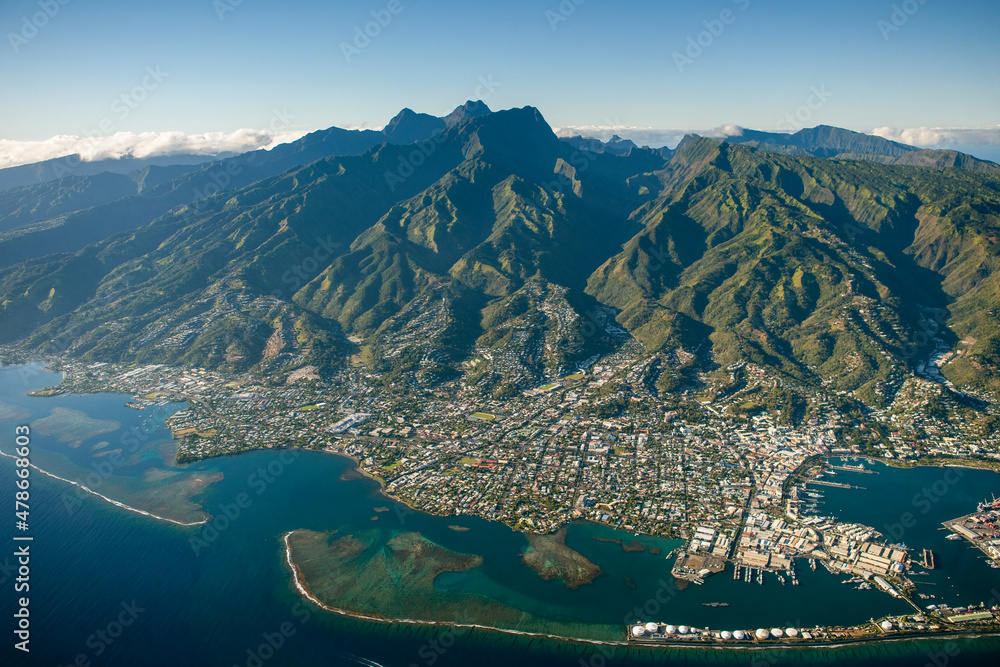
x=471, y=109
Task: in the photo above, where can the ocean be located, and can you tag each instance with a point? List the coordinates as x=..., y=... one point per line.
x=110, y=586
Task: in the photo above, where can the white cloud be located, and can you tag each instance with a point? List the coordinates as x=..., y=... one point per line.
x=645, y=136
x=141, y=145
x=942, y=136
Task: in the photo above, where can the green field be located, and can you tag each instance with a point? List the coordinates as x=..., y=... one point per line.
x=484, y=415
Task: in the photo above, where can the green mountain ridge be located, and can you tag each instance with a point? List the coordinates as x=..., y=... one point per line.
x=498, y=256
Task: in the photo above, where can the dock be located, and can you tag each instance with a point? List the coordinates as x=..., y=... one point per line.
x=987, y=543
x=854, y=469
x=839, y=485
x=928, y=559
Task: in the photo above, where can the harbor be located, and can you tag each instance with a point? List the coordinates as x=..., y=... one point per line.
x=981, y=529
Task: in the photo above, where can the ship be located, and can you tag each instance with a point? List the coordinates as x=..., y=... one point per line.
x=953, y=537
x=989, y=505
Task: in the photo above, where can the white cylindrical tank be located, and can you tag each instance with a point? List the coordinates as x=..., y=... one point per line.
x=762, y=633
x=726, y=634
x=886, y=625
x=777, y=633
x=638, y=631
x=652, y=627
x=791, y=632
x=671, y=629
x=683, y=629
x=739, y=634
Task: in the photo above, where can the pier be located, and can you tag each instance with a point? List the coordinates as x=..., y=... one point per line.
x=839, y=485
x=854, y=469
x=987, y=543
x=928, y=559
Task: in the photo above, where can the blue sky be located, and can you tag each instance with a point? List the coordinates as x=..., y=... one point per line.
x=230, y=64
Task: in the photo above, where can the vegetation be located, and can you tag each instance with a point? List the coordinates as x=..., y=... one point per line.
x=506, y=243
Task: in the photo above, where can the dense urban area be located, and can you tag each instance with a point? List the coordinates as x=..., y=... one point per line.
x=599, y=443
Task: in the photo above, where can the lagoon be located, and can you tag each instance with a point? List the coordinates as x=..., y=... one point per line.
x=221, y=593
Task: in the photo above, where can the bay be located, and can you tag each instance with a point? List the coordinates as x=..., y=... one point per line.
x=222, y=594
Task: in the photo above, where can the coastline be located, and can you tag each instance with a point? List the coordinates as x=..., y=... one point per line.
x=692, y=644
x=388, y=495
x=110, y=500
x=305, y=592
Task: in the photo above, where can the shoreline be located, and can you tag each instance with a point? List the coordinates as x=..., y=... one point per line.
x=935, y=462
x=305, y=592
x=712, y=643
x=692, y=644
x=116, y=503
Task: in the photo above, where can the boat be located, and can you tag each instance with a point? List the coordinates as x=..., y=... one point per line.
x=812, y=564
x=714, y=604
x=781, y=579
x=953, y=537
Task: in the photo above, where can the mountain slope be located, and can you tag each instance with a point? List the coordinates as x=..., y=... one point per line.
x=76, y=228
x=498, y=256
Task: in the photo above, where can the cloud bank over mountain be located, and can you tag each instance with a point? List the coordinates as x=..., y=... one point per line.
x=942, y=136
x=142, y=145
x=645, y=136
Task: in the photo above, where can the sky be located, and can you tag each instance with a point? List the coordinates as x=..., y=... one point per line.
x=106, y=76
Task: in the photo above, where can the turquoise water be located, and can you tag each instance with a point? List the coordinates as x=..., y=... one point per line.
x=221, y=602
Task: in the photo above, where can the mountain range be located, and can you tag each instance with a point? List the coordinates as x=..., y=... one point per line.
x=480, y=248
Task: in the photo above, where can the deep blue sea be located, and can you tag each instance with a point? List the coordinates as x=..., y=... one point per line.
x=109, y=586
